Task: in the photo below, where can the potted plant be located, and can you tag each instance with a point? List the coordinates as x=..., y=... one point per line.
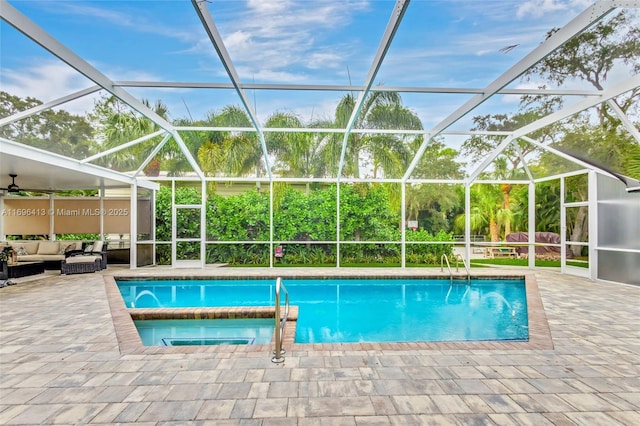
x=6, y=255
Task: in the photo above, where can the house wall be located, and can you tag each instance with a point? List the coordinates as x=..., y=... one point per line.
x=32, y=216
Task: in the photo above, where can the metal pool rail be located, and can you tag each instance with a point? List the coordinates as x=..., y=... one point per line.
x=278, y=353
x=444, y=259
x=466, y=268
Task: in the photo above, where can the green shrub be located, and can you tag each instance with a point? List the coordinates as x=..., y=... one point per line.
x=365, y=215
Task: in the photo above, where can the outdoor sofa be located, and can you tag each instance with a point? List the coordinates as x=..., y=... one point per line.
x=53, y=253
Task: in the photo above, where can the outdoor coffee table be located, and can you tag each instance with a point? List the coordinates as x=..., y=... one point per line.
x=23, y=269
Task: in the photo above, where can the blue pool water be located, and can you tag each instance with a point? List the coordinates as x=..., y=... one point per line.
x=205, y=332
x=362, y=310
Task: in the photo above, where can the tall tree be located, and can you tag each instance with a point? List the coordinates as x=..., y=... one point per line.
x=509, y=164
x=53, y=130
x=432, y=204
x=591, y=56
x=531, y=108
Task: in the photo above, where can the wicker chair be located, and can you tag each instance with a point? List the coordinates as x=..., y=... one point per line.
x=80, y=265
x=92, y=259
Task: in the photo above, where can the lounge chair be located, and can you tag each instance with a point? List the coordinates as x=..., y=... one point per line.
x=92, y=258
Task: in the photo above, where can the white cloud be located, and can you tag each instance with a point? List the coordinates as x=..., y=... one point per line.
x=239, y=41
x=270, y=75
x=269, y=6
x=131, y=19
x=539, y=8
x=278, y=37
x=47, y=81
x=323, y=60
x=580, y=4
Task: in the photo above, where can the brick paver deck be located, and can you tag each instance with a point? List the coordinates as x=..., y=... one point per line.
x=61, y=363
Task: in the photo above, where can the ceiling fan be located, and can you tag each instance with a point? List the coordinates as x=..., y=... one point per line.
x=13, y=187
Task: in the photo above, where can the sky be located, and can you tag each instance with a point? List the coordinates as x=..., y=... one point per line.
x=452, y=43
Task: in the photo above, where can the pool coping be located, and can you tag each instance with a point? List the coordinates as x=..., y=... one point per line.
x=129, y=341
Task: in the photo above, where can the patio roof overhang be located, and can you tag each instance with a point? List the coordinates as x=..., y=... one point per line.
x=41, y=169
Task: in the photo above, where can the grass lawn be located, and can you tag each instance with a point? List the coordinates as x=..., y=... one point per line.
x=475, y=263
x=333, y=265
x=515, y=262
x=525, y=263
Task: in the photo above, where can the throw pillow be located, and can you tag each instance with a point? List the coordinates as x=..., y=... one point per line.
x=48, y=247
x=97, y=246
x=89, y=248
x=65, y=248
x=21, y=251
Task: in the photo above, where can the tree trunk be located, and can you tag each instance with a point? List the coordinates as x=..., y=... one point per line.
x=153, y=168
x=494, y=231
x=506, y=205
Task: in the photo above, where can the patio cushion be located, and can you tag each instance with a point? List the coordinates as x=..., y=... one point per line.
x=29, y=247
x=48, y=247
x=40, y=257
x=66, y=246
x=32, y=248
x=97, y=246
x=82, y=259
x=77, y=245
x=20, y=250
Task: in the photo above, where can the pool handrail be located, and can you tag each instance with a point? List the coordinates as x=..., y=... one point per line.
x=278, y=353
x=466, y=268
x=444, y=259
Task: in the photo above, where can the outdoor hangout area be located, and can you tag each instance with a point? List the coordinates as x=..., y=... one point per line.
x=385, y=212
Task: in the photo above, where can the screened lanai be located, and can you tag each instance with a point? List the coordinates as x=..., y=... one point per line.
x=334, y=133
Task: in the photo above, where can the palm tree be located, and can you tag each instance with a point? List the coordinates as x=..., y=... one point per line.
x=175, y=162
x=119, y=124
x=438, y=162
x=502, y=172
x=380, y=110
x=297, y=154
x=486, y=211
x=232, y=153
x=632, y=164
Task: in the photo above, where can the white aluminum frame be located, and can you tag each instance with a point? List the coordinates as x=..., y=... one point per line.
x=589, y=16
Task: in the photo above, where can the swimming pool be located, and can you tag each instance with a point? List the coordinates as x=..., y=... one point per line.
x=361, y=310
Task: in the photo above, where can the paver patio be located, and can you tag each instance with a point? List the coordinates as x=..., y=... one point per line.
x=61, y=364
